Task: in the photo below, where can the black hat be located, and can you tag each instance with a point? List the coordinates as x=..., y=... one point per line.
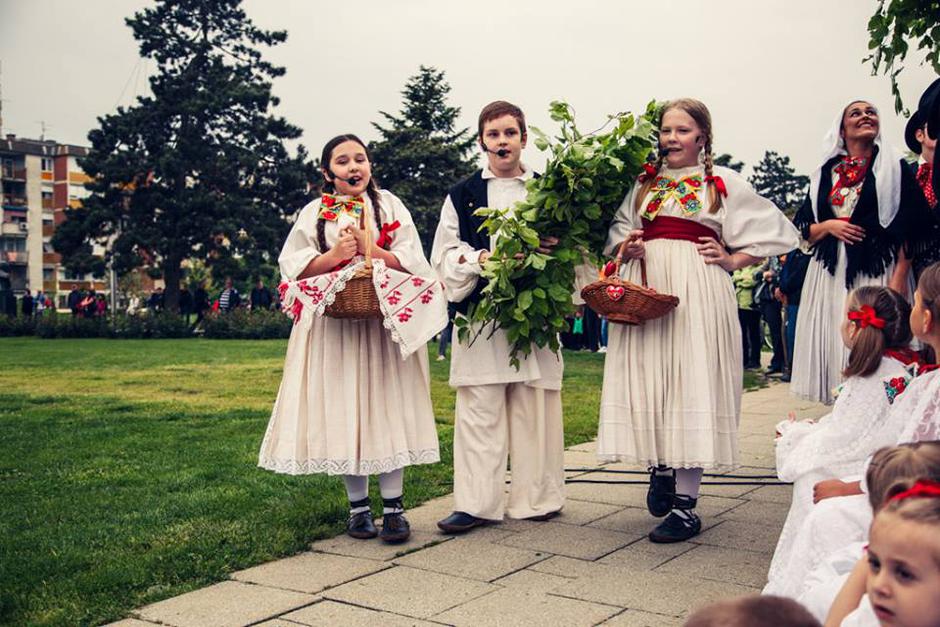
x=910, y=132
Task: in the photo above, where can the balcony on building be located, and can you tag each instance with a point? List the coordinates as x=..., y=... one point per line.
x=13, y=227
x=14, y=201
x=14, y=257
x=12, y=173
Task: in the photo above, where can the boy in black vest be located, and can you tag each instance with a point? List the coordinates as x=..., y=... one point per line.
x=500, y=411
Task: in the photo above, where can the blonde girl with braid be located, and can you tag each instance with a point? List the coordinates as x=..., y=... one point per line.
x=672, y=387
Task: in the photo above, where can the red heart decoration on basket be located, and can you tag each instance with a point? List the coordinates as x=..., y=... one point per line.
x=615, y=292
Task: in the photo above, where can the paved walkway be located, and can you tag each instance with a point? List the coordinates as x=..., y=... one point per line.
x=592, y=565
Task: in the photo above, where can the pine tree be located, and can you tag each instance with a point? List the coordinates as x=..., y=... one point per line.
x=774, y=178
x=420, y=153
x=199, y=168
x=727, y=161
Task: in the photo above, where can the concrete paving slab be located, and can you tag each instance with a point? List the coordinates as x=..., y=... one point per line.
x=375, y=549
x=745, y=568
x=131, y=622
x=733, y=534
x=328, y=613
x=636, y=618
x=774, y=494
x=638, y=522
x=309, y=572
x=471, y=558
x=410, y=592
x=531, y=580
x=567, y=567
x=645, y=555
x=625, y=495
x=578, y=512
x=758, y=511
x=226, y=604
x=587, y=543
x=649, y=591
x=517, y=606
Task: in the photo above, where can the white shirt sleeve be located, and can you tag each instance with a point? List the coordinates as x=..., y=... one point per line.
x=625, y=220
x=459, y=279
x=753, y=224
x=300, y=247
x=406, y=244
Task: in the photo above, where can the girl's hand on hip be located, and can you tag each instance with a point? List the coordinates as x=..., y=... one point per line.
x=714, y=253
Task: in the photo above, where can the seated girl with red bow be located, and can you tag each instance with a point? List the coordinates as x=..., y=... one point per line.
x=897, y=579
x=672, y=387
x=840, y=513
x=351, y=402
x=877, y=332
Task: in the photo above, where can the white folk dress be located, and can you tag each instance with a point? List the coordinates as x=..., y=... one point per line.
x=819, y=355
x=348, y=402
x=672, y=386
x=835, y=446
x=835, y=523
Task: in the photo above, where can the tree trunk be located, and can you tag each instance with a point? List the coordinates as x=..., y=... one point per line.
x=172, y=272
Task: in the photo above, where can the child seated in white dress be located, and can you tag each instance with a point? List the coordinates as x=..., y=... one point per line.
x=876, y=331
x=897, y=582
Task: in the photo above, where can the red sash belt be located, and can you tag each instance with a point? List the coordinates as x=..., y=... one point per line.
x=665, y=227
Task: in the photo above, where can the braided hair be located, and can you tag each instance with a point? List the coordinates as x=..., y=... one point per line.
x=698, y=112
x=372, y=189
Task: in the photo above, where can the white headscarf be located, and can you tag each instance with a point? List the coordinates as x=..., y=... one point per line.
x=886, y=168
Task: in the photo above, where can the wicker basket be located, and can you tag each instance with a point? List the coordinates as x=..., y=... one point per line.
x=358, y=300
x=625, y=302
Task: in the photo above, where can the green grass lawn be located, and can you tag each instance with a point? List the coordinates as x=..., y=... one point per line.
x=128, y=470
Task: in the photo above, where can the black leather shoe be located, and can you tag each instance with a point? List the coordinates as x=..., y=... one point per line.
x=660, y=493
x=395, y=528
x=361, y=526
x=676, y=529
x=459, y=522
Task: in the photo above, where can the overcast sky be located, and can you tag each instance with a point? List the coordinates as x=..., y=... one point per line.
x=773, y=73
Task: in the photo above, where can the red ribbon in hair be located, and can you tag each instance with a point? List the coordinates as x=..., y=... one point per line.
x=385, y=236
x=865, y=316
x=649, y=172
x=923, y=489
x=719, y=184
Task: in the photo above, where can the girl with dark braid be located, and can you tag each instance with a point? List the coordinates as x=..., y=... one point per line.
x=672, y=386
x=349, y=404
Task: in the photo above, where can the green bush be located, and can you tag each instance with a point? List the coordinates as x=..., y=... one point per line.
x=53, y=325
x=242, y=324
x=19, y=325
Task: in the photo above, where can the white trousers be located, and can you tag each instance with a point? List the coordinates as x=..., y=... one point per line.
x=514, y=420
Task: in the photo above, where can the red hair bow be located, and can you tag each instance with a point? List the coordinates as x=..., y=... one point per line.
x=924, y=488
x=649, y=172
x=719, y=184
x=865, y=316
x=385, y=237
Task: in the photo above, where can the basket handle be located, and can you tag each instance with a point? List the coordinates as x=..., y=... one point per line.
x=619, y=259
x=367, y=226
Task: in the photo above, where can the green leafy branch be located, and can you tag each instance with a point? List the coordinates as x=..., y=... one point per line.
x=891, y=29
x=528, y=293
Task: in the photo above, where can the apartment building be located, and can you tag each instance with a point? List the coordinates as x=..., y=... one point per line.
x=39, y=180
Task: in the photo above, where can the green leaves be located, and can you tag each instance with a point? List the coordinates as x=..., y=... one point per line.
x=893, y=28
x=586, y=178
